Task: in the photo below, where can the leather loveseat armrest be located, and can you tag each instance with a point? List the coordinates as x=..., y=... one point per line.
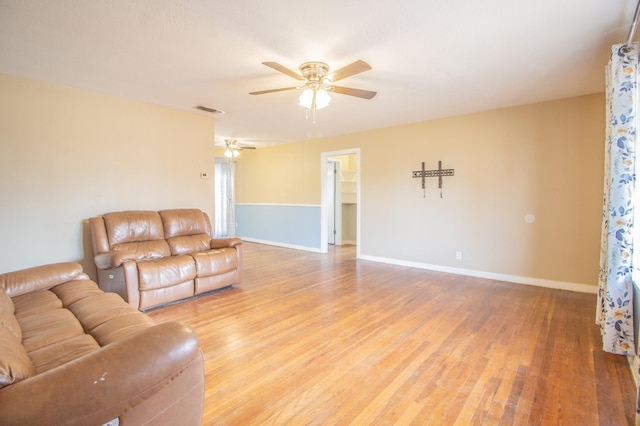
x=217, y=243
x=114, y=259
x=40, y=277
x=102, y=385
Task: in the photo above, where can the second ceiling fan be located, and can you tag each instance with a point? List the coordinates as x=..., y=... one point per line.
x=316, y=82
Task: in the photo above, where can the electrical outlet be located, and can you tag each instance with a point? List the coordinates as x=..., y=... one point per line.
x=458, y=255
x=204, y=175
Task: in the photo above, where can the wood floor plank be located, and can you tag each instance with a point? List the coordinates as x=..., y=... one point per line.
x=326, y=339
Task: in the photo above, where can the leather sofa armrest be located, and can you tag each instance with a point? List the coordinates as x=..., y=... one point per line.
x=106, y=382
x=40, y=277
x=114, y=259
x=217, y=243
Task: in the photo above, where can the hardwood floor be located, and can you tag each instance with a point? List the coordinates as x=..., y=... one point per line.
x=321, y=339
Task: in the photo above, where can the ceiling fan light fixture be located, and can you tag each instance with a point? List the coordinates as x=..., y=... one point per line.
x=314, y=99
x=231, y=153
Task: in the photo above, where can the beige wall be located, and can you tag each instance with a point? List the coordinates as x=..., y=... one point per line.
x=543, y=159
x=67, y=155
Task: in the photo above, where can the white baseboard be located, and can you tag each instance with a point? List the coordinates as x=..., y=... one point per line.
x=278, y=244
x=560, y=285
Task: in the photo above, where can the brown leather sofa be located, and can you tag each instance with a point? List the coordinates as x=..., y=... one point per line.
x=72, y=354
x=153, y=258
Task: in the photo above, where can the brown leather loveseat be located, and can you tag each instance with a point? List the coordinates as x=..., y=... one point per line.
x=72, y=354
x=153, y=258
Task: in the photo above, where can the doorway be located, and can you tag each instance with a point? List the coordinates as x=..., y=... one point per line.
x=340, y=205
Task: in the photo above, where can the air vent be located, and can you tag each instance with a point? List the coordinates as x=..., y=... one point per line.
x=208, y=109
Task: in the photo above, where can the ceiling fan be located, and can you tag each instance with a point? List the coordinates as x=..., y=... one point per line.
x=233, y=148
x=317, y=82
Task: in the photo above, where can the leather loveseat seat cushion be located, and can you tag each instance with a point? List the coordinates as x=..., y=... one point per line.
x=188, y=244
x=166, y=280
x=169, y=271
x=213, y=262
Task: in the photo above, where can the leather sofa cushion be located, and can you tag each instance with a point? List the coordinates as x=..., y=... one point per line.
x=7, y=318
x=35, y=303
x=6, y=304
x=120, y=327
x=73, y=291
x=214, y=262
x=189, y=244
x=179, y=222
x=160, y=273
x=95, y=310
x=61, y=352
x=15, y=364
x=133, y=226
x=9, y=322
x=101, y=314
x=47, y=328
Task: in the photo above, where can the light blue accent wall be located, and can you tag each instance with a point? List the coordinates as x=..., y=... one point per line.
x=285, y=224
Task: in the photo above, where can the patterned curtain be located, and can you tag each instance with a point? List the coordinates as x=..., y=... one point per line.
x=616, y=281
x=615, y=293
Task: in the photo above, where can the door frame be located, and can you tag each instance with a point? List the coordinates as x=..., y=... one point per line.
x=337, y=203
x=324, y=225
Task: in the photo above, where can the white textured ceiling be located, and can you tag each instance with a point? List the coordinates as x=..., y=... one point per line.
x=430, y=58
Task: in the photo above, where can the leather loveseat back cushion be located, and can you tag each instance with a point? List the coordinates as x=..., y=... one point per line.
x=137, y=231
x=189, y=244
x=133, y=226
x=15, y=364
x=186, y=230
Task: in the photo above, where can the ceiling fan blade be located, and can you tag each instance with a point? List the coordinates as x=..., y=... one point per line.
x=262, y=92
x=366, y=94
x=241, y=147
x=276, y=66
x=347, y=71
